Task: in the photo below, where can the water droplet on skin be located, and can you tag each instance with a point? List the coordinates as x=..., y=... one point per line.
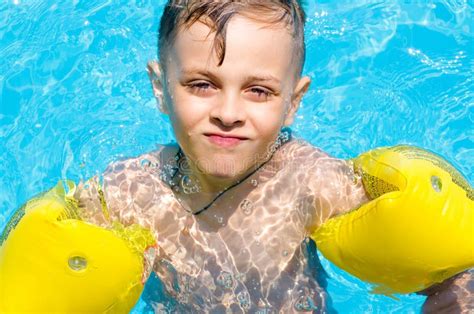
x=240, y=276
x=220, y=220
x=305, y=303
x=436, y=183
x=247, y=207
x=254, y=182
x=225, y=280
x=285, y=253
x=77, y=263
x=244, y=299
x=145, y=163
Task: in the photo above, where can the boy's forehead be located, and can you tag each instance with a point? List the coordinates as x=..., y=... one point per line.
x=248, y=43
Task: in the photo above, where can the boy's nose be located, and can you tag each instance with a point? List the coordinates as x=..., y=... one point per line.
x=228, y=112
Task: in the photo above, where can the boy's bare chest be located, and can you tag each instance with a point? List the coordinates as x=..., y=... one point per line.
x=247, y=247
x=240, y=234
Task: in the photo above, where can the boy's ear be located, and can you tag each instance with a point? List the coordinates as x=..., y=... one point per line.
x=156, y=78
x=300, y=89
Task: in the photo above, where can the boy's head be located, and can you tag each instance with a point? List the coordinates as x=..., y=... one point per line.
x=229, y=79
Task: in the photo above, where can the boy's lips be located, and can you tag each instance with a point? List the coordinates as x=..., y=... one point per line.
x=225, y=140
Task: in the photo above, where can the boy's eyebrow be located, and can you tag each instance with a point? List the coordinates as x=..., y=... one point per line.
x=249, y=78
x=193, y=71
x=262, y=78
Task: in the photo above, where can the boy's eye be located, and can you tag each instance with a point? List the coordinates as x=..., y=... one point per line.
x=260, y=93
x=201, y=87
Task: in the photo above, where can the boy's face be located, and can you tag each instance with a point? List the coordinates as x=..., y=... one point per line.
x=226, y=117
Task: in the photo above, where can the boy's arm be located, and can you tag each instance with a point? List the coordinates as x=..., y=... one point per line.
x=92, y=201
x=99, y=202
x=337, y=189
x=454, y=295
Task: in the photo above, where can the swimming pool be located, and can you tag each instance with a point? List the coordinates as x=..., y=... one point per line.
x=75, y=95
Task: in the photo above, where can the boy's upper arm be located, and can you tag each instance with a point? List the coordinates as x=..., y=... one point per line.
x=335, y=187
x=90, y=199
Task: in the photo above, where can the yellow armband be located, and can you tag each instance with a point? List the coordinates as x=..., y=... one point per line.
x=52, y=261
x=417, y=231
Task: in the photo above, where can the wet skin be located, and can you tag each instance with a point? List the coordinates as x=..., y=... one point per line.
x=249, y=250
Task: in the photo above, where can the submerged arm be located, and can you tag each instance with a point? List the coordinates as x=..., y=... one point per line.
x=454, y=295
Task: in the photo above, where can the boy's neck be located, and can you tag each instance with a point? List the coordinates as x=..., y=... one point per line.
x=212, y=189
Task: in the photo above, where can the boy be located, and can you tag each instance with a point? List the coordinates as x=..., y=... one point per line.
x=233, y=204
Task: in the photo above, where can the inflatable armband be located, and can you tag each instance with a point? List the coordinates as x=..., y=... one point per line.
x=52, y=261
x=417, y=231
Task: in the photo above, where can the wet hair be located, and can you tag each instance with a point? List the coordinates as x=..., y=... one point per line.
x=216, y=14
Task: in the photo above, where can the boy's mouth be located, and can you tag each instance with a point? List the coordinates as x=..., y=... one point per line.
x=225, y=140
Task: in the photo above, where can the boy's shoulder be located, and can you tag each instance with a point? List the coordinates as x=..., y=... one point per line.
x=299, y=149
x=299, y=154
x=143, y=163
x=131, y=185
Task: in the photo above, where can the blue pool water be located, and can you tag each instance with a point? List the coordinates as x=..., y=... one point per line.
x=75, y=95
